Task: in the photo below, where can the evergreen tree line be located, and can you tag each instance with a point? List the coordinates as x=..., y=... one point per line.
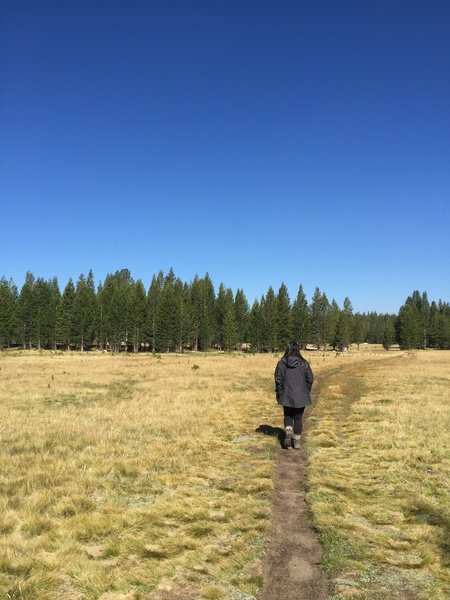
x=172, y=315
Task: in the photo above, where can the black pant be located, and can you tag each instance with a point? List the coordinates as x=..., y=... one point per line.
x=293, y=417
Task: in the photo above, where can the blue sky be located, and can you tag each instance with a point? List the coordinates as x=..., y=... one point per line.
x=304, y=142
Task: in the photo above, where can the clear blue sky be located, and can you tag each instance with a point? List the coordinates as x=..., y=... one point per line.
x=304, y=142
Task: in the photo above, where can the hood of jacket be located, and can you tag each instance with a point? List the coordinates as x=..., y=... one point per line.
x=291, y=361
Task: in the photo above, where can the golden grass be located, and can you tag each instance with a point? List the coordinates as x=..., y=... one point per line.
x=133, y=477
x=133, y=474
x=379, y=476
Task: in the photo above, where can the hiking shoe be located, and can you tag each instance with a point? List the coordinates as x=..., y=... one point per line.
x=288, y=435
x=296, y=442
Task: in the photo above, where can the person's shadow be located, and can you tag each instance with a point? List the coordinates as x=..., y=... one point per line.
x=273, y=432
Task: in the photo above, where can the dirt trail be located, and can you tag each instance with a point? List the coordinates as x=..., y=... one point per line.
x=291, y=571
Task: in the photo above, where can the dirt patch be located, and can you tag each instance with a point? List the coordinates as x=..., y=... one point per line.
x=291, y=567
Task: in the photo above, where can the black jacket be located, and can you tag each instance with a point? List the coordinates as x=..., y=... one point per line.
x=293, y=382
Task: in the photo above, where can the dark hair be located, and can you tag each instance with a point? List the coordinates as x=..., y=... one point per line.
x=293, y=349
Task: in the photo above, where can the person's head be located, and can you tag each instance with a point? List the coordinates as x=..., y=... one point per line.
x=293, y=349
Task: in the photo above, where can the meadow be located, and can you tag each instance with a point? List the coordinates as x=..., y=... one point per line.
x=143, y=476
x=379, y=476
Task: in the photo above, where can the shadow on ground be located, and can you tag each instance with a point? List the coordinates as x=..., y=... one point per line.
x=273, y=432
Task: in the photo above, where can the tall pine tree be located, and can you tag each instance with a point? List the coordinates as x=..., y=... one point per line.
x=229, y=326
x=153, y=300
x=269, y=306
x=319, y=318
x=167, y=316
x=388, y=332
x=137, y=313
x=54, y=309
x=26, y=310
x=208, y=329
x=256, y=327
x=301, y=320
x=284, y=317
x=242, y=316
x=84, y=311
x=344, y=326
x=409, y=326
x=66, y=321
x=358, y=329
x=334, y=314
x=221, y=305
x=8, y=300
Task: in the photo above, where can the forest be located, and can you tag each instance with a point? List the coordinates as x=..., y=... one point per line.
x=120, y=314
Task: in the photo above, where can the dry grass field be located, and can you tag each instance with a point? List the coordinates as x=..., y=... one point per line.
x=379, y=476
x=132, y=476
x=142, y=477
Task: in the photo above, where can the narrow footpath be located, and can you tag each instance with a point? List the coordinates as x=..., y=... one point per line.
x=291, y=569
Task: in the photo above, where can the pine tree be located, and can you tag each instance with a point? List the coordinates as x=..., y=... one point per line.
x=203, y=313
x=104, y=325
x=66, y=327
x=229, y=326
x=208, y=329
x=333, y=317
x=180, y=338
x=84, y=311
x=153, y=300
x=54, y=308
x=242, y=316
x=174, y=320
x=375, y=328
x=424, y=319
x=99, y=322
x=184, y=315
x=255, y=327
x=42, y=321
x=8, y=300
x=137, y=313
x=440, y=325
x=388, y=333
x=420, y=301
x=167, y=328
x=358, y=329
x=344, y=326
x=301, y=320
x=445, y=324
x=116, y=301
x=221, y=306
x=196, y=294
x=269, y=307
x=433, y=338
x=26, y=310
x=409, y=326
x=284, y=317
x=319, y=316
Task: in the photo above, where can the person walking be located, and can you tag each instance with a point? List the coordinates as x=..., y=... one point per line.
x=293, y=383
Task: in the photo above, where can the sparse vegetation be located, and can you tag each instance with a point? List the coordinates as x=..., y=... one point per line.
x=133, y=478
x=132, y=475
x=379, y=476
